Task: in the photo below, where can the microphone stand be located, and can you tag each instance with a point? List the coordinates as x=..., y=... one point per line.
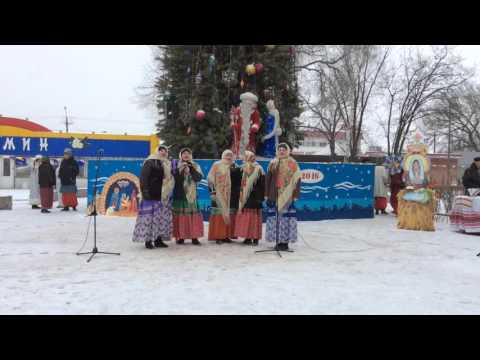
x=94, y=214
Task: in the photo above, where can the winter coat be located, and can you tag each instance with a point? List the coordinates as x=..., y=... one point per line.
x=471, y=178
x=69, y=171
x=179, y=191
x=46, y=175
x=381, y=182
x=255, y=200
x=396, y=182
x=236, y=180
x=151, y=179
x=235, y=183
x=34, y=197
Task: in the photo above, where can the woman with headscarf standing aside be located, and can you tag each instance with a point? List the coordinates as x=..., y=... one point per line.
x=248, y=223
x=46, y=180
x=282, y=189
x=224, y=180
x=34, y=197
x=154, y=219
x=68, y=173
x=187, y=218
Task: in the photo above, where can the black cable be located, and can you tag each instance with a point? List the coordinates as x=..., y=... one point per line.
x=86, y=237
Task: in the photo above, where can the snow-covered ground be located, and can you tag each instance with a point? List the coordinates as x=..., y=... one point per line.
x=339, y=267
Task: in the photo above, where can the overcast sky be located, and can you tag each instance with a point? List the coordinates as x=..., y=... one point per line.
x=96, y=82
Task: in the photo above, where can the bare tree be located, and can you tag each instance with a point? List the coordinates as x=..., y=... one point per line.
x=326, y=110
x=354, y=79
x=461, y=107
x=422, y=79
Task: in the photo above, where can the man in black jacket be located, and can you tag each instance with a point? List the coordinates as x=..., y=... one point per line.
x=471, y=177
x=46, y=180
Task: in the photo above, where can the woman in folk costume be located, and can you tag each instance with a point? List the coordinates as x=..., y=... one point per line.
x=154, y=219
x=396, y=182
x=187, y=219
x=68, y=173
x=282, y=189
x=46, y=181
x=224, y=180
x=248, y=222
x=380, y=191
x=34, y=197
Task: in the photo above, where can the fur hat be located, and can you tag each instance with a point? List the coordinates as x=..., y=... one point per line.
x=160, y=147
x=249, y=97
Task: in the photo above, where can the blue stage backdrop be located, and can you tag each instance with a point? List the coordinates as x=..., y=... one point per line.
x=329, y=190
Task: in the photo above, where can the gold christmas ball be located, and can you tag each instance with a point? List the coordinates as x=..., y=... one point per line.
x=250, y=69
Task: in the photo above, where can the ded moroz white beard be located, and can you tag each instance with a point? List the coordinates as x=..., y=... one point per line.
x=246, y=110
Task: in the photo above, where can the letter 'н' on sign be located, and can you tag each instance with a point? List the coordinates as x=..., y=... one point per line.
x=43, y=144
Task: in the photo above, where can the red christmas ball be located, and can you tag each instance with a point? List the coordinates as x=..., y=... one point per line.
x=200, y=115
x=258, y=68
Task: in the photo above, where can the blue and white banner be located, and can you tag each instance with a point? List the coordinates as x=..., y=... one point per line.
x=328, y=191
x=85, y=147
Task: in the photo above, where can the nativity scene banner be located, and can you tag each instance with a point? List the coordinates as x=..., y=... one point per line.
x=328, y=191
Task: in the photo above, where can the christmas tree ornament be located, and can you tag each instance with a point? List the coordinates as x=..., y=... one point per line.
x=200, y=115
x=250, y=69
x=258, y=68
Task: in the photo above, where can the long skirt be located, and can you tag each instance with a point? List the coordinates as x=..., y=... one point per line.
x=154, y=220
x=187, y=220
x=287, y=225
x=46, y=195
x=394, y=200
x=380, y=203
x=248, y=224
x=69, y=199
x=217, y=229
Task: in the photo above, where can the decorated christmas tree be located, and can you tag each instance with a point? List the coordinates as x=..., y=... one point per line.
x=199, y=84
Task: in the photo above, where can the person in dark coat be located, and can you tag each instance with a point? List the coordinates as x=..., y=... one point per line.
x=46, y=180
x=68, y=173
x=471, y=177
x=252, y=191
x=396, y=184
x=154, y=219
x=187, y=218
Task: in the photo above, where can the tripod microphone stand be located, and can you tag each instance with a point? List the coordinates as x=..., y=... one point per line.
x=94, y=214
x=277, y=225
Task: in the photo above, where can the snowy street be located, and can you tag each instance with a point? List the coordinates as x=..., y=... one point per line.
x=339, y=267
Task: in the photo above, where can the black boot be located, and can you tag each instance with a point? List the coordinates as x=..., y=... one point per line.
x=74, y=208
x=384, y=212
x=247, y=242
x=255, y=242
x=219, y=242
x=180, y=241
x=35, y=207
x=227, y=240
x=376, y=211
x=65, y=209
x=44, y=211
x=196, y=242
x=159, y=243
x=149, y=245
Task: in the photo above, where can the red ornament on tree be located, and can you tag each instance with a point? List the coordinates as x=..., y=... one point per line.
x=258, y=68
x=200, y=115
